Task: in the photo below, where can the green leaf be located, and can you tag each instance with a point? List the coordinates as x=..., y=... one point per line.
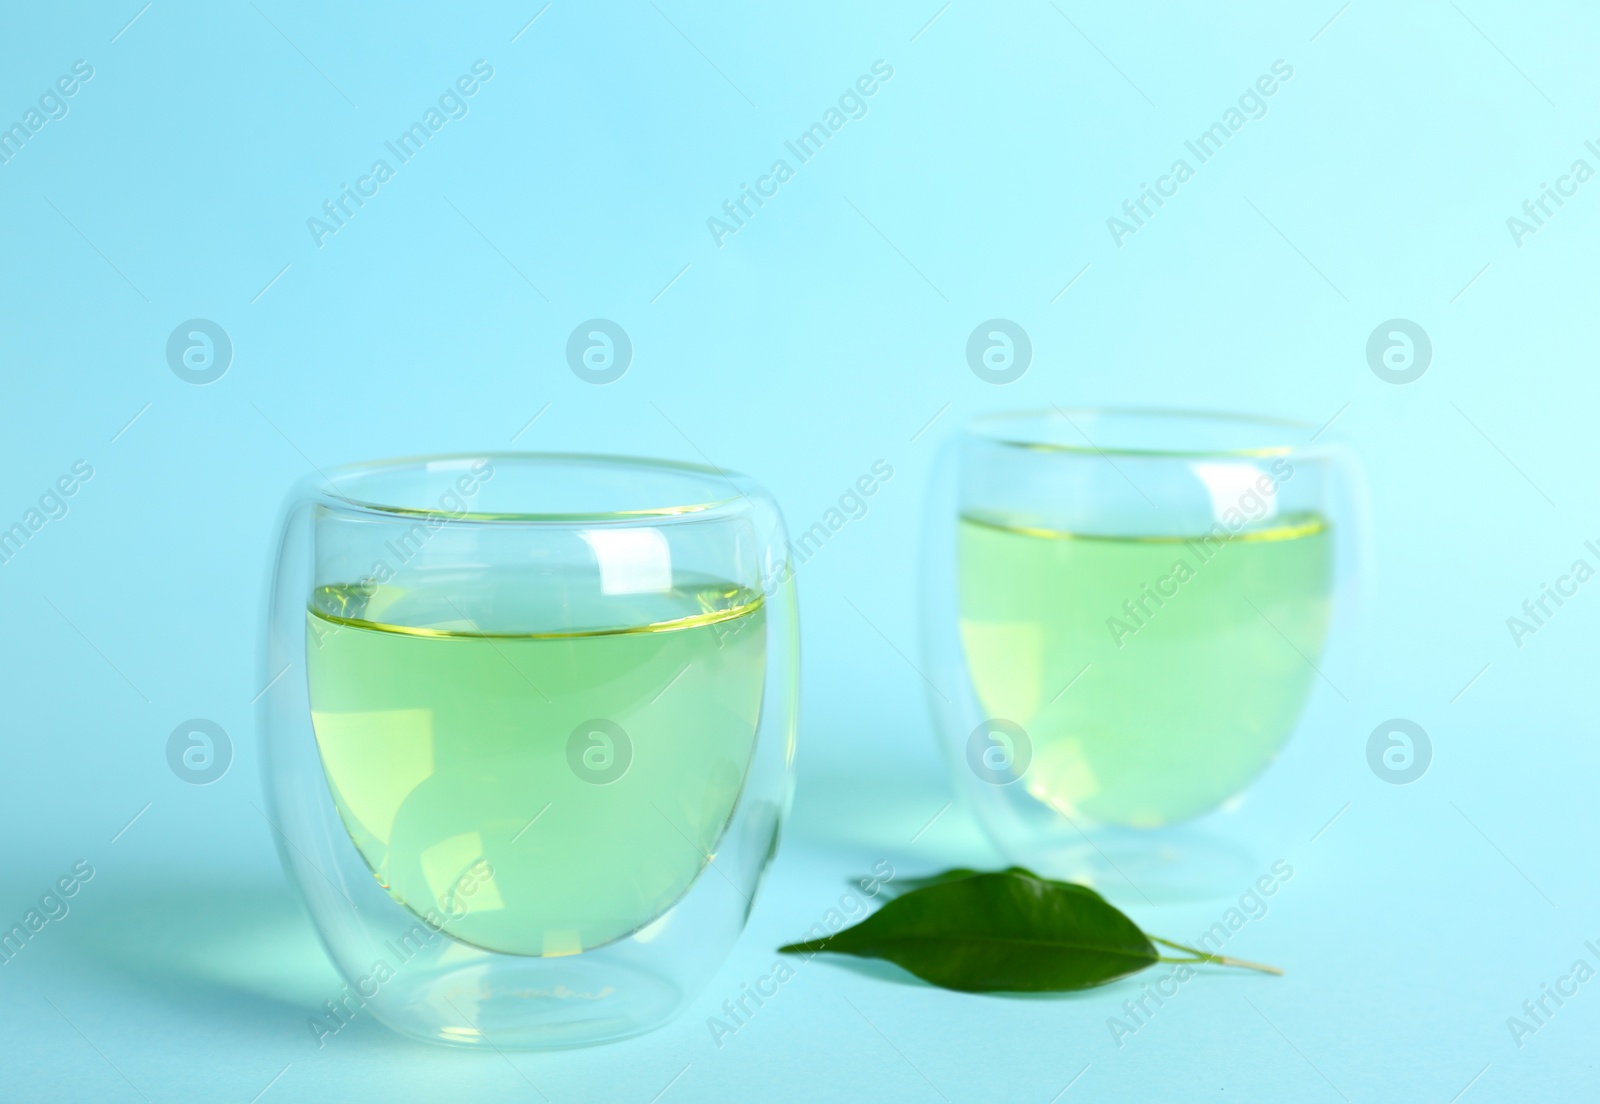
x=1004, y=932
x=902, y=886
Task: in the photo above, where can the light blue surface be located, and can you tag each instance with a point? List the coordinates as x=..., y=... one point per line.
x=822, y=336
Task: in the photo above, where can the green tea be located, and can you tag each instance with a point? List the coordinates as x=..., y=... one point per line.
x=545, y=767
x=1192, y=657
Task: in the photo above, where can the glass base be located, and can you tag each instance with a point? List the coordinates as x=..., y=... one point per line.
x=1156, y=866
x=544, y=1004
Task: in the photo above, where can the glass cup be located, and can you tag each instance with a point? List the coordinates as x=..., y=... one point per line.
x=1124, y=617
x=529, y=734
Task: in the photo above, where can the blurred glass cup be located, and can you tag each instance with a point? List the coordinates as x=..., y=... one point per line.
x=1124, y=616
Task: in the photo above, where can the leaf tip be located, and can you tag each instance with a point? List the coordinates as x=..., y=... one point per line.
x=804, y=947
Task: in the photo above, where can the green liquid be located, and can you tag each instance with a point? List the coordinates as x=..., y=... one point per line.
x=1182, y=703
x=445, y=718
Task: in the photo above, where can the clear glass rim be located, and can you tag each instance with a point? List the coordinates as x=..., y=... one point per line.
x=1266, y=435
x=329, y=486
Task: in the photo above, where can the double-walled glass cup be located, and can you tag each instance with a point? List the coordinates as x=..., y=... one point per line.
x=1124, y=617
x=528, y=736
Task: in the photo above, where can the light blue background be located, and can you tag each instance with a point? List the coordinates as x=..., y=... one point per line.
x=823, y=336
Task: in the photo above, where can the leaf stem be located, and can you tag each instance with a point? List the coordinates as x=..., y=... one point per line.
x=1203, y=956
